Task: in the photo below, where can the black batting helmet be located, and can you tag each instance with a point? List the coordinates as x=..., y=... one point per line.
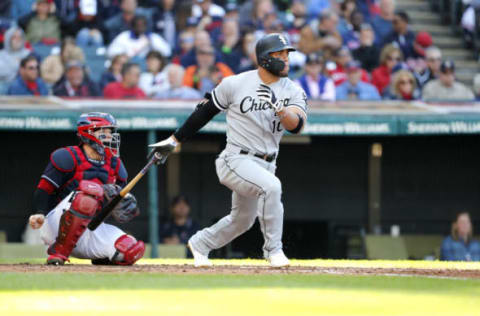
x=271, y=43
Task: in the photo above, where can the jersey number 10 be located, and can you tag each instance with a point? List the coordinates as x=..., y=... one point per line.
x=277, y=127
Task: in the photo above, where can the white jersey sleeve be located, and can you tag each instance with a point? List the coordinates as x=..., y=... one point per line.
x=298, y=98
x=222, y=94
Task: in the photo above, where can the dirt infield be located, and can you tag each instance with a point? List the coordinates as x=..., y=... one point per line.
x=238, y=270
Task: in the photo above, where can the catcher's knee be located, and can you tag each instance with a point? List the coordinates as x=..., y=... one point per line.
x=129, y=250
x=87, y=199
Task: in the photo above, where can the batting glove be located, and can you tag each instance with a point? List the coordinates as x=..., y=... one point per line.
x=164, y=148
x=265, y=94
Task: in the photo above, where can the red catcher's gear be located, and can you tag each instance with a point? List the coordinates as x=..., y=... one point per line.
x=129, y=250
x=74, y=221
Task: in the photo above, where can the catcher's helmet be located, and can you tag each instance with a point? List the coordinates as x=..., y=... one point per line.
x=88, y=123
x=271, y=43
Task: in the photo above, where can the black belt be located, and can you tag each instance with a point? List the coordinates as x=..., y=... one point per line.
x=267, y=158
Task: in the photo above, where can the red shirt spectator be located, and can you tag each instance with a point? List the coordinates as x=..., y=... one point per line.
x=336, y=69
x=389, y=57
x=128, y=87
x=116, y=90
x=339, y=75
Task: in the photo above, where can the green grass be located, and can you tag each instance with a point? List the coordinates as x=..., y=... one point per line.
x=210, y=295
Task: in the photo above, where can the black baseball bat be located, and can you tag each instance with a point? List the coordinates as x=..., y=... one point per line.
x=107, y=209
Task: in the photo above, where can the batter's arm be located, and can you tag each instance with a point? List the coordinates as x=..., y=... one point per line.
x=293, y=119
x=203, y=113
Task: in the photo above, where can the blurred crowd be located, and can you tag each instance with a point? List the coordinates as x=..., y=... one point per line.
x=167, y=49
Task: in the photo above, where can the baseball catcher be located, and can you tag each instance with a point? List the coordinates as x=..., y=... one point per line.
x=77, y=181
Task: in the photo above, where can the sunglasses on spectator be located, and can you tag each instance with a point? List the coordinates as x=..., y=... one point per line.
x=32, y=67
x=393, y=58
x=434, y=59
x=402, y=82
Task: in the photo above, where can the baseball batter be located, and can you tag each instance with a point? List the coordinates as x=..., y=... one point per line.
x=260, y=105
x=75, y=183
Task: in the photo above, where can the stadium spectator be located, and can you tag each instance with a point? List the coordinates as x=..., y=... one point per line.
x=177, y=90
x=468, y=21
x=206, y=8
x=317, y=7
x=28, y=81
x=253, y=18
x=76, y=83
x=423, y=40
x=336, y=70
x=248, y=58
x=315, y=84
x=382, y=23
x=128, y=87
x=114, y=71
x=321, y=34
x=14, y=51
x=368, y=53
x=417, y=63
x=179, y=227
x=351, y=36
x=138, y=42
x=88, y=27
x=433, y=60
x=401, y=35
x=231, y=10
x=354, y=88
x=445, y=88
x=186, y=40
x=389, y=58
x=209, y=17
x=122, y=21
x=21, y=8
x=229, y=44
x=476, y=87
x=460, y=245
x=207, y=73
x=201, y=39
x=164, y=21
x=67, y=10
x=403, y=87
x=296, y=19
x=270, y=24
x=154, y=79
x=346, y=9
x=52, y=67
x=42, y=25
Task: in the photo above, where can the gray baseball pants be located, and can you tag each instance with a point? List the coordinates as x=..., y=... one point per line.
x=256, y=192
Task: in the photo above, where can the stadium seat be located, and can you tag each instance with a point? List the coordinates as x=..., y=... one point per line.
x=42, y=50
x=421, y=246
x=385, y=247
x=95, y=62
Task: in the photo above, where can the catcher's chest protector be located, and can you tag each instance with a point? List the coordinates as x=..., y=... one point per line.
x=86, y=170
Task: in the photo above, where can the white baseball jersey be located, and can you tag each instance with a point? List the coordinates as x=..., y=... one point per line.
x=253, y=125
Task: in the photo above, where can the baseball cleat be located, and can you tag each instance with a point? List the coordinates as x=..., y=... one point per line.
x=199, y=260
x=278, y=260
x=56, y=260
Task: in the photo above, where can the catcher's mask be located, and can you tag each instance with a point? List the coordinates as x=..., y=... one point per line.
x=99, y=130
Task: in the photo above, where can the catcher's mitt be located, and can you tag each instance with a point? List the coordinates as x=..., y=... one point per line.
x=126, y=209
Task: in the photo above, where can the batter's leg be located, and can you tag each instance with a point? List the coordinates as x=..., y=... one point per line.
x=253, y=183
x=240, y=219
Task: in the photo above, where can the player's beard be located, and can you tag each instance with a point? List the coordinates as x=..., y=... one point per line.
x=284, y=72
